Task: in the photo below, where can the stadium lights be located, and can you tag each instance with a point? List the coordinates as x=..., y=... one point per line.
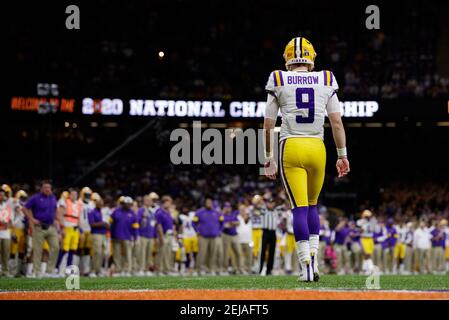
x=161, y=55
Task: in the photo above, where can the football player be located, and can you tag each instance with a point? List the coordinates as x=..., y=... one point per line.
x=290, y=244
x=256, y=223
x=400, y=249
x=368, y=225
x=6, y=215
x=389, y=246
x=85, y=237
x=189, y=237
x=69, y=212
x=18, y=244
x=303, y=97
x=408, y=260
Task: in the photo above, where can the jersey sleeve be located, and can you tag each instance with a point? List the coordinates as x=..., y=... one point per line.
x=272, y=107
x=61, y=203
x=269, y=87
x=275, y=80
x=333, y=105
x=334, y=83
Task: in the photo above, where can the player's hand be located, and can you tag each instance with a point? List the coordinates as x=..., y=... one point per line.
x=342, y=167
x=270, y=169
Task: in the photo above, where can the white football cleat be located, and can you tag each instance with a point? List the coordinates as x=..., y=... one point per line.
x=306, y=274
x=316, y=273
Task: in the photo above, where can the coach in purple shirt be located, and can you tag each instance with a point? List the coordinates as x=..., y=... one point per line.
x=341, y=241
x=165, y=232
x=231, y=239
x=123, y=228
x=98, y=227
x=40, y=210
x=146, y=217
x=208, y=222
x=439, y=247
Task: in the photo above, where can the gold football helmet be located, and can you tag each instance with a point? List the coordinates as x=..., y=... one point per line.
x=7, y=189
x=95, y=196
x=299, y=50
x=85, y=192
x=21, y=194
x=367, y=214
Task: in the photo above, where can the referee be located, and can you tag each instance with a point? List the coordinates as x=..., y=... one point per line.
x=270, y=220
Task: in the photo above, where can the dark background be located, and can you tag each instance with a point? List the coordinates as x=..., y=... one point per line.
x=222, y=50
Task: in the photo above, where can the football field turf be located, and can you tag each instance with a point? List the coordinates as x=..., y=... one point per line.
x=327, y=282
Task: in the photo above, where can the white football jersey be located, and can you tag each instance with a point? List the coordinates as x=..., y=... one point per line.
x=18, y=215
x=303, y=100
x=187, y=225
x=402, y=233
x=84, y=217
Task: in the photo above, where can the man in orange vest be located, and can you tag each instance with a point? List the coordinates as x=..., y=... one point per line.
x=69, y=212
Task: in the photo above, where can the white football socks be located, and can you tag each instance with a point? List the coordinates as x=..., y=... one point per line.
x=76, y=260
x=85, y=264
x=288, y=261
x=29, y=268
x=303, y=248
x=314, y=241
x=63, y=264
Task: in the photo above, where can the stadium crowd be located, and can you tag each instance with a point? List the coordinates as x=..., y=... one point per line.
x=233, y=51
x=45, y=236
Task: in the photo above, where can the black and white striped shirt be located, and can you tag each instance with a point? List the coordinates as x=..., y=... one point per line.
x=270, y=218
